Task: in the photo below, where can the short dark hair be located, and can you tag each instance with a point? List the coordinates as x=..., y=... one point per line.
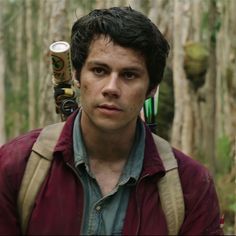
x=127, y=28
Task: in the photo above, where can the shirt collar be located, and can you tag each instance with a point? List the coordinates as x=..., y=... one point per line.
x=134, y=163
x=80, y=154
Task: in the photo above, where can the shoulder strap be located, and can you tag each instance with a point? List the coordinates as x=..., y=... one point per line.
x=40, y=161
x=36, y=170
x=169, y=187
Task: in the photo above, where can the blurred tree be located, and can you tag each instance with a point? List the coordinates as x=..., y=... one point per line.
x=55, y=15
x=182, y=124
x=226, y=71
x=2, y=90
x=210, y=140
x=30, y=62
x=15, y=67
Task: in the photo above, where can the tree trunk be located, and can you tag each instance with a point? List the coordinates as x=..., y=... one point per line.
x=153, y=12
x=57, y=29
x=179, y=77
x=100, y=4
x=210, y=141
x=135, y=4
x=30, y=69
x=235, y=182
x=196, y=20
x=2, y=85
x=227, y=72
x=18, y=76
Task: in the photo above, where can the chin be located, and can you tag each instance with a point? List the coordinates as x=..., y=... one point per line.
x=113, y=126
x=108, y=127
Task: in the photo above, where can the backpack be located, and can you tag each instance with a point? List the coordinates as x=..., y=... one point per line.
x=38, y=165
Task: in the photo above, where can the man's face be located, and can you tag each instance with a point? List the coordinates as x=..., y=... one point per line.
x=113, y=86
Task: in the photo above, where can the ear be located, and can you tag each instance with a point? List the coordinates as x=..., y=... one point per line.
x=151, y=93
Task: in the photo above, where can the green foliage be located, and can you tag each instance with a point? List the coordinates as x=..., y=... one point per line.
x=15, y=77
x=165, y=105
x=86, y=5
x=233, y=205
x=205, y=28
x=216, y=29
x=225, y=181
x=223, y=153
x=227, y=201
x=196, y=51
x=145, y=6
x=195, y=63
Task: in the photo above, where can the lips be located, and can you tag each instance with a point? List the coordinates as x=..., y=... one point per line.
x=110, y=107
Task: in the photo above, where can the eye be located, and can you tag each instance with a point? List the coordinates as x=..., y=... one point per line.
x=129, y=75
x=99, y=71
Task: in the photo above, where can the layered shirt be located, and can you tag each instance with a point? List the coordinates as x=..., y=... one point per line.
x=104, y=215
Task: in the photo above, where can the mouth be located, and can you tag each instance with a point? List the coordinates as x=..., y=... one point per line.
x=109, y=109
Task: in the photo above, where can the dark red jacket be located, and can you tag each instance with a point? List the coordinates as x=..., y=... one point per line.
x=59, y=206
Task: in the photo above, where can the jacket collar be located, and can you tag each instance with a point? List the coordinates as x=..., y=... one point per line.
x=65, y=142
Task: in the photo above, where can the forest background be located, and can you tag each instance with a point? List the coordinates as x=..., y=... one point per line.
x=197, y=99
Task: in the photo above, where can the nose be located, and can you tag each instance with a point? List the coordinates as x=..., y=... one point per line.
x=111, y=87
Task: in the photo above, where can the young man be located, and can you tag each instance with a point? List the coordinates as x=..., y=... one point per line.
x=103, y=177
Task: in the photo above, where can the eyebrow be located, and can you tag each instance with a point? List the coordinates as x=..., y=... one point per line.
x=97, y=63
x=128, y=68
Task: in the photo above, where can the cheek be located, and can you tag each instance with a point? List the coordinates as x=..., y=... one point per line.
x=137, y=101
x=87, y=93
x=140, y=96
x=83, y=94
x=84, y=90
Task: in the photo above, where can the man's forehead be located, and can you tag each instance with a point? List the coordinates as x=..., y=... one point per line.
x=102, y=44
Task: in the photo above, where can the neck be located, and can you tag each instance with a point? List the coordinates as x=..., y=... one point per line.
x=108, y=146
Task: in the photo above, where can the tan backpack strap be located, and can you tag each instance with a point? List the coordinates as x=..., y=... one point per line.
x=169, y=187
x=36, y=171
